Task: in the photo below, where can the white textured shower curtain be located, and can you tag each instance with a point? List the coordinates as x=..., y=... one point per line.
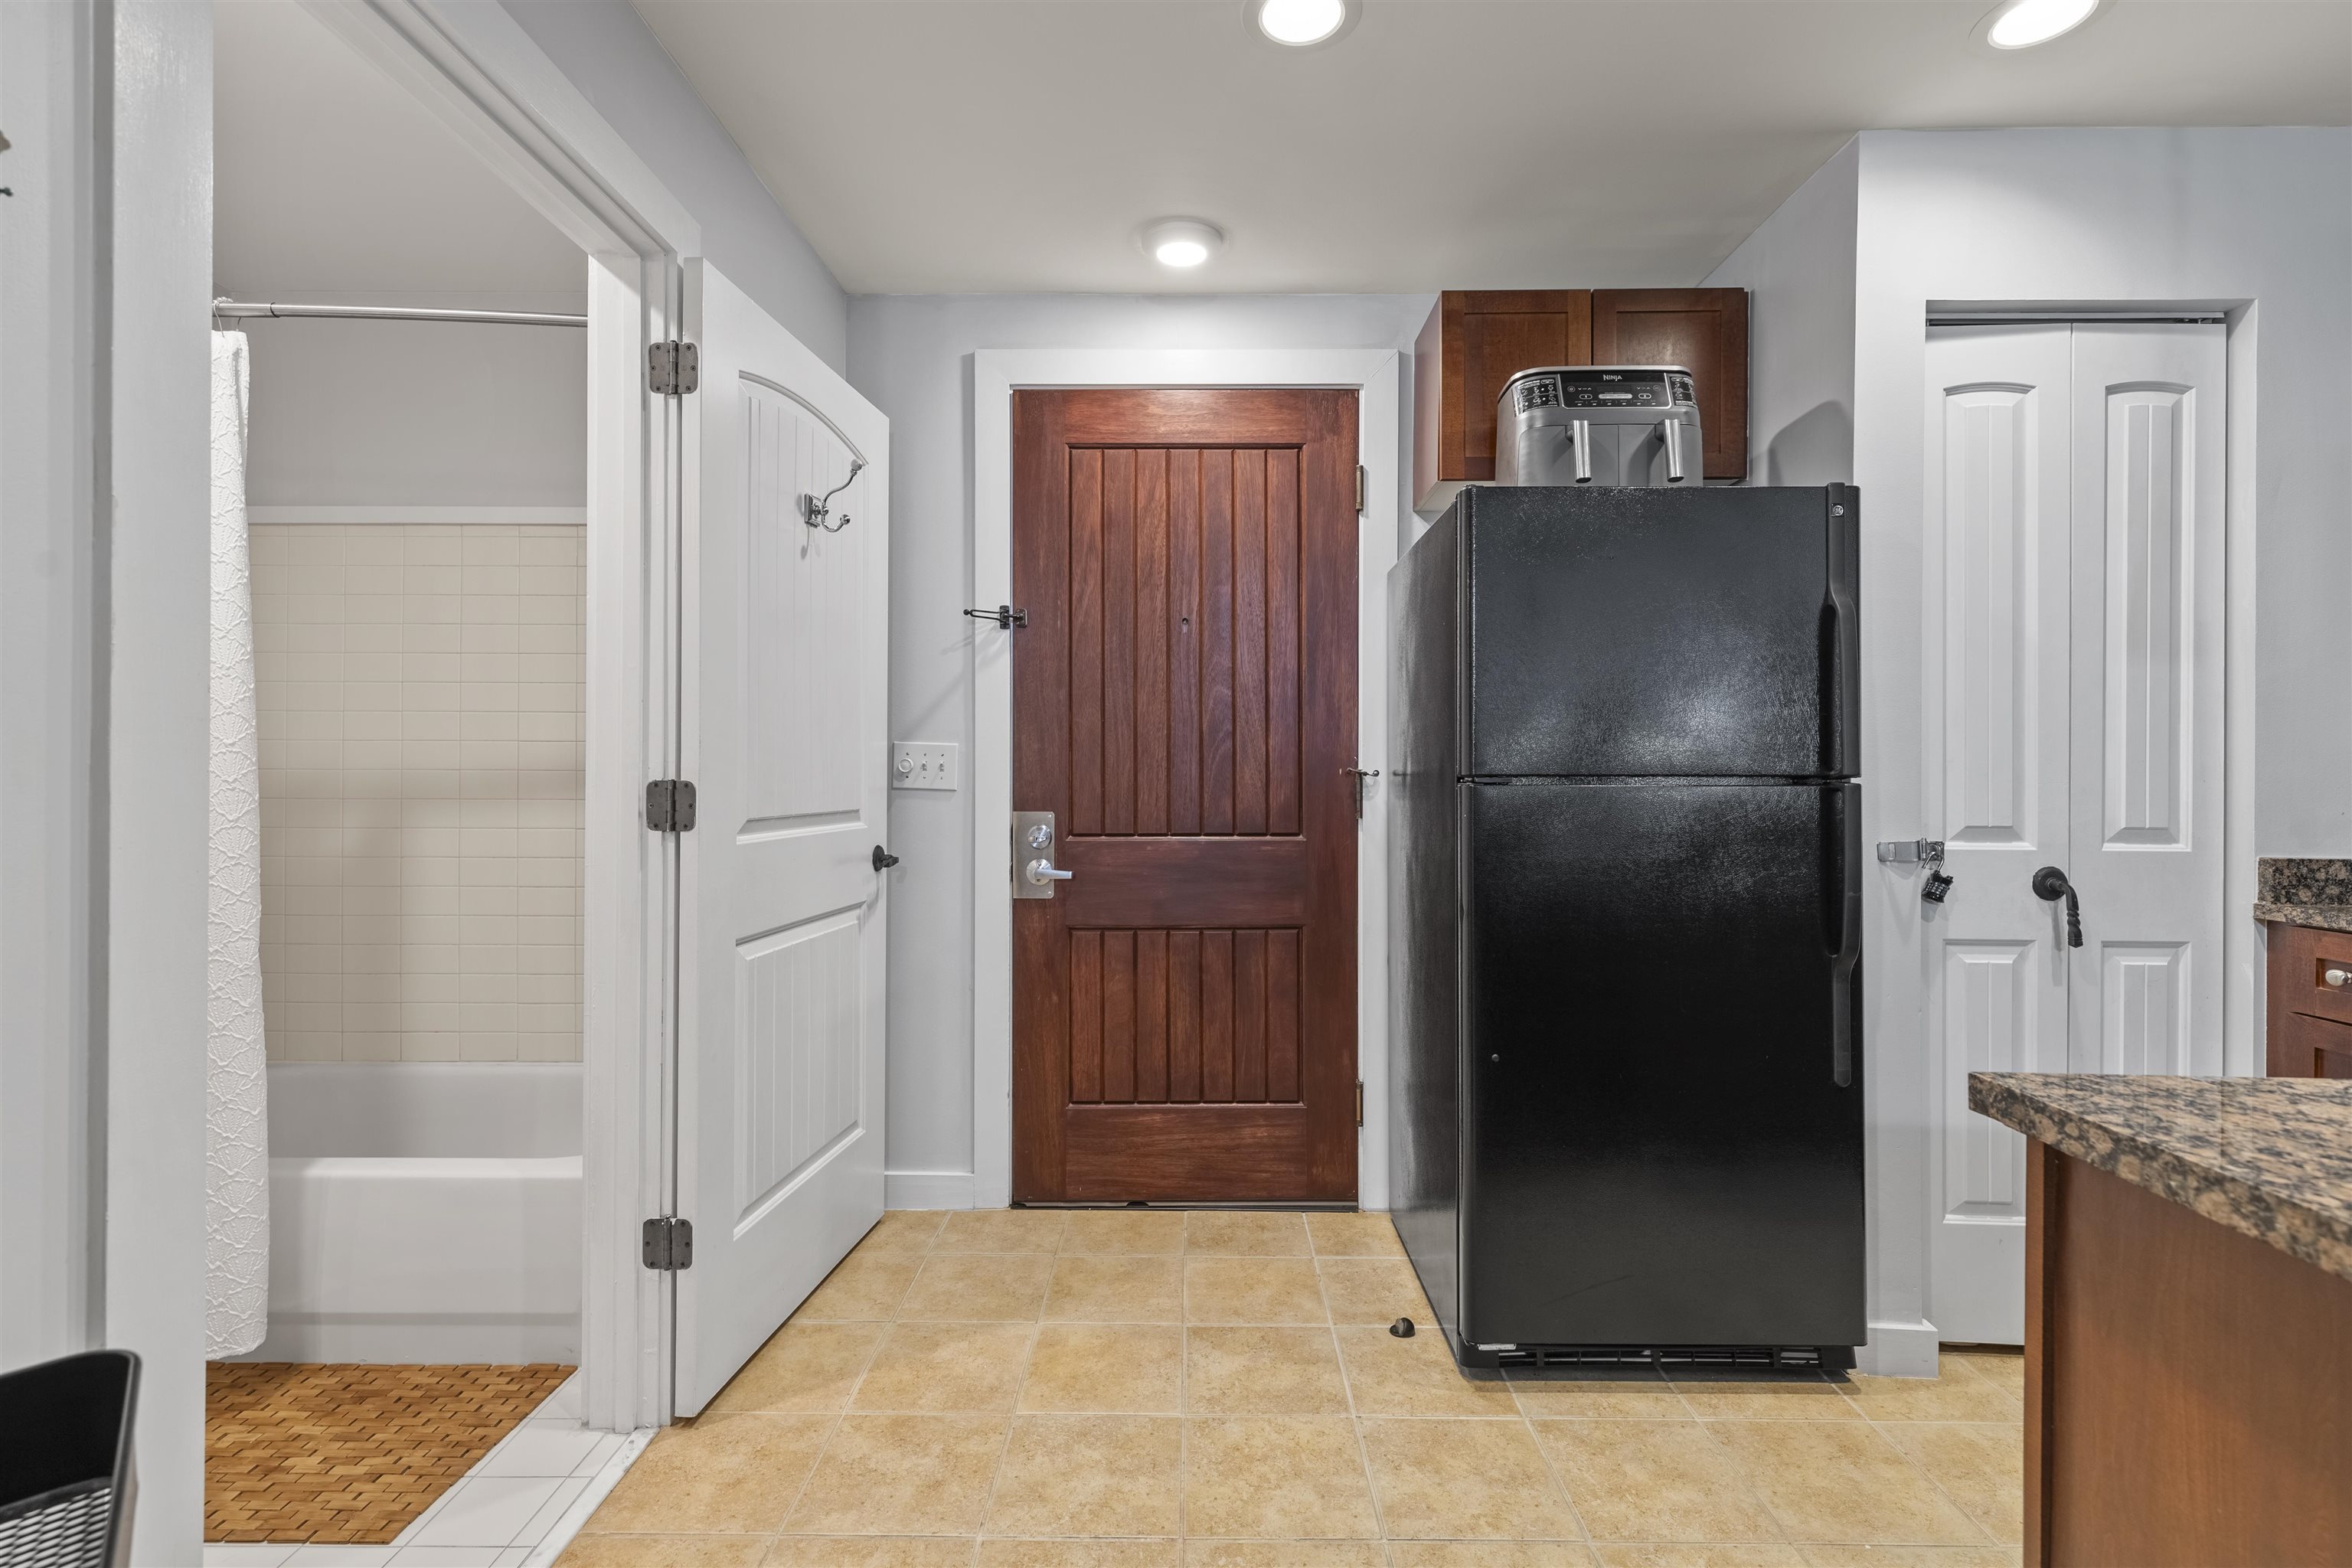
x=237, y=1181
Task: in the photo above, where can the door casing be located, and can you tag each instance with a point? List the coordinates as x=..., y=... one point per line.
x=1376, y=375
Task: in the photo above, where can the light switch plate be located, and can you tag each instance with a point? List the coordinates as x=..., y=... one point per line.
x=923, y=765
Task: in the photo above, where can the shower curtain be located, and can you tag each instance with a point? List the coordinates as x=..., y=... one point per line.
x=236, y=1184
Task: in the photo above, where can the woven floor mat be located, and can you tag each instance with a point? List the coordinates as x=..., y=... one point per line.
x=319, y=1452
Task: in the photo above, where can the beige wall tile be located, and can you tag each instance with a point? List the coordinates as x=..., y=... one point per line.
x=394, y=687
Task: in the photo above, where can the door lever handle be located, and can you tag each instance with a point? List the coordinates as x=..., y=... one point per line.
x=2050, y=885
x=1041, y=871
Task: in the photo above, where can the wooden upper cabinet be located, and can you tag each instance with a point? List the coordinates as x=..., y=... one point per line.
x=1702, y=330
x=1475, y=340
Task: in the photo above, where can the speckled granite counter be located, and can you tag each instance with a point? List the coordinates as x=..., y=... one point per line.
x=2305, y=892
x=2270, y=1158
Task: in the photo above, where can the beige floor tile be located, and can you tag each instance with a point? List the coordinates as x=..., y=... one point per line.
x=717, y=1474
x=1842, y=1481
x=1685, y=1554
x=1598, y=1392
x=1124, y=1230
x=664, y=1551
x=1098, y=1369
x=1959, y=1393
x=1089, y=1475
x=1728, y=1394
x=941, y=1367
x=1253, y=1290
x=869, y=1552
x=1827, y=1556
x=1490, y=1555
x=905, y=1230
x=902, y=1475
x=1653, y=1481
x=1375, y=1290
x=1080, y=1553
x=1117, y=1288
x=1281, y=1477
x=805, y=1367
x=1980, y=1467
x=1464, y=1480
x=1283, y=1554
x=2007, y=1371
x=1262, y=1372
x=977, y=1287
x=864, y=1285
x=1002, y=1230
x=1240, y=1233
x=1353, y=1236
x=1389, y=1376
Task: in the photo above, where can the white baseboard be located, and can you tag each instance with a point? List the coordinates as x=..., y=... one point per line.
x=1899, y=1350
x=928, y=1189
x=439, y=516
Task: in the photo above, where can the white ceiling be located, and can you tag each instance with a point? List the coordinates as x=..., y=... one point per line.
x=989, y=145
x=330, y=181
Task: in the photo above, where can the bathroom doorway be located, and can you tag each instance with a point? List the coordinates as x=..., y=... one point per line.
x=401, y=411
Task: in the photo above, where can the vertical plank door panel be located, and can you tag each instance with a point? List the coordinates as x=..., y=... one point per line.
x=1196, y=648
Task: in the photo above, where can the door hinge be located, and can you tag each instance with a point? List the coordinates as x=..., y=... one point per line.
x=672, y=369
x=669, y=805
x=1360, y=486
x=1359, y=1102
x=669, y=1243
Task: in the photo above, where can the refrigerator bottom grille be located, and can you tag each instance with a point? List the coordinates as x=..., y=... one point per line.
x=1824, y=1358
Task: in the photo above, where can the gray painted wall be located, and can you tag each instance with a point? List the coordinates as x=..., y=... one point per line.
x=911, y=354
x=613, y=57
x=1798, y=268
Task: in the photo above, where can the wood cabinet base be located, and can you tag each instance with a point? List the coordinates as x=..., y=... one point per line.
x=2188, y=1389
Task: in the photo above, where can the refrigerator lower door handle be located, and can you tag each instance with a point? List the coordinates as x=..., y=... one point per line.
x=1845, y=806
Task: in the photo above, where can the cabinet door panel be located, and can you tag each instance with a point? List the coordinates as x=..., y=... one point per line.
x=1702, y=330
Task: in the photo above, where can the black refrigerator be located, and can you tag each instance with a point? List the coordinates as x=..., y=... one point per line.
x=1626, y=1103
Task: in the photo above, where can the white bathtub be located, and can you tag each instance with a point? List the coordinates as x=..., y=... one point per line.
x=424, y=1212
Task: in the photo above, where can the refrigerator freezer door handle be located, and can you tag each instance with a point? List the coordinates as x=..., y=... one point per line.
x=1845, y=835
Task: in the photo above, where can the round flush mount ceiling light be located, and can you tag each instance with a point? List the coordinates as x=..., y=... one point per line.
x=1181, y=241
x=1300, y=24
x=2021, y=24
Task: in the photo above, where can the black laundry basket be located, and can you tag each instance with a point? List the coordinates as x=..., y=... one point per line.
x=65, y=1461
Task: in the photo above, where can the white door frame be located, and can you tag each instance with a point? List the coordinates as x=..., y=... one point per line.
x=476, y=70
x=1376, y=375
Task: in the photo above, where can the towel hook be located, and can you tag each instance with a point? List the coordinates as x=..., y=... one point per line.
x=813, y=508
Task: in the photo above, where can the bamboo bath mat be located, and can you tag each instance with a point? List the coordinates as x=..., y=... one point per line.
x=349, y=1454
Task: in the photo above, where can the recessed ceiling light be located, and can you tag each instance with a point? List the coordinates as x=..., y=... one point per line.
x=1181, y=241
x=2021, y=24
x=1301, y=23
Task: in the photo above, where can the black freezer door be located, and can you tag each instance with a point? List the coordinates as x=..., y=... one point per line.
x=1662, y=1108
x=1659, y=631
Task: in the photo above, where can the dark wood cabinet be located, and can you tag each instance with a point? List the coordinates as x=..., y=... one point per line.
x=2309, y=1021
x=1477, y=339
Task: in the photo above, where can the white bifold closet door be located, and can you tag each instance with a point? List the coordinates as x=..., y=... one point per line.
x=2071, y=645
x=781, y=943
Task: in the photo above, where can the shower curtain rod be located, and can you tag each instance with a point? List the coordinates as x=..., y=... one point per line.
x=231, y=309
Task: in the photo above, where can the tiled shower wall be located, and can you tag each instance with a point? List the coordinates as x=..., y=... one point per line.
x=420, y=790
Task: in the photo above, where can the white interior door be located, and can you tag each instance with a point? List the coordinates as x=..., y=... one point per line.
x=2072, y=645
x=781, y=939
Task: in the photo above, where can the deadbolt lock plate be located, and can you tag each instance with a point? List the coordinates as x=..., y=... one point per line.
x=1034, y=839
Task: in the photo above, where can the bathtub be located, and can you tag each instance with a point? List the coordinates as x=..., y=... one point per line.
x=424, y=1212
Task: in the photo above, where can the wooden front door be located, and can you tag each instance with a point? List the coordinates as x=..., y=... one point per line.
x=1184, y=703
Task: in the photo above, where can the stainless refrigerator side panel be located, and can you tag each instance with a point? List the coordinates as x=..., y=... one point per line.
x=1654, y=633
x=1663, y=1124
x=1425, y=892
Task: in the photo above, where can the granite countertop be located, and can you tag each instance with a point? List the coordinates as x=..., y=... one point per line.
x=2269, y=1157
x=2305, y=892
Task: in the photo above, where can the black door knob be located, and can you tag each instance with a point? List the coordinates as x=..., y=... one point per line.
x=883, y=858
x=2049, y=884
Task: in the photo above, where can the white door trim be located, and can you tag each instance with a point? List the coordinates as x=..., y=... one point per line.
x=1376, y=375
x=477, y=70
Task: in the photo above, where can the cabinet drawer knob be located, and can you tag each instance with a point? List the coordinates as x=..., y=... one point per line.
x=2337, y=976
